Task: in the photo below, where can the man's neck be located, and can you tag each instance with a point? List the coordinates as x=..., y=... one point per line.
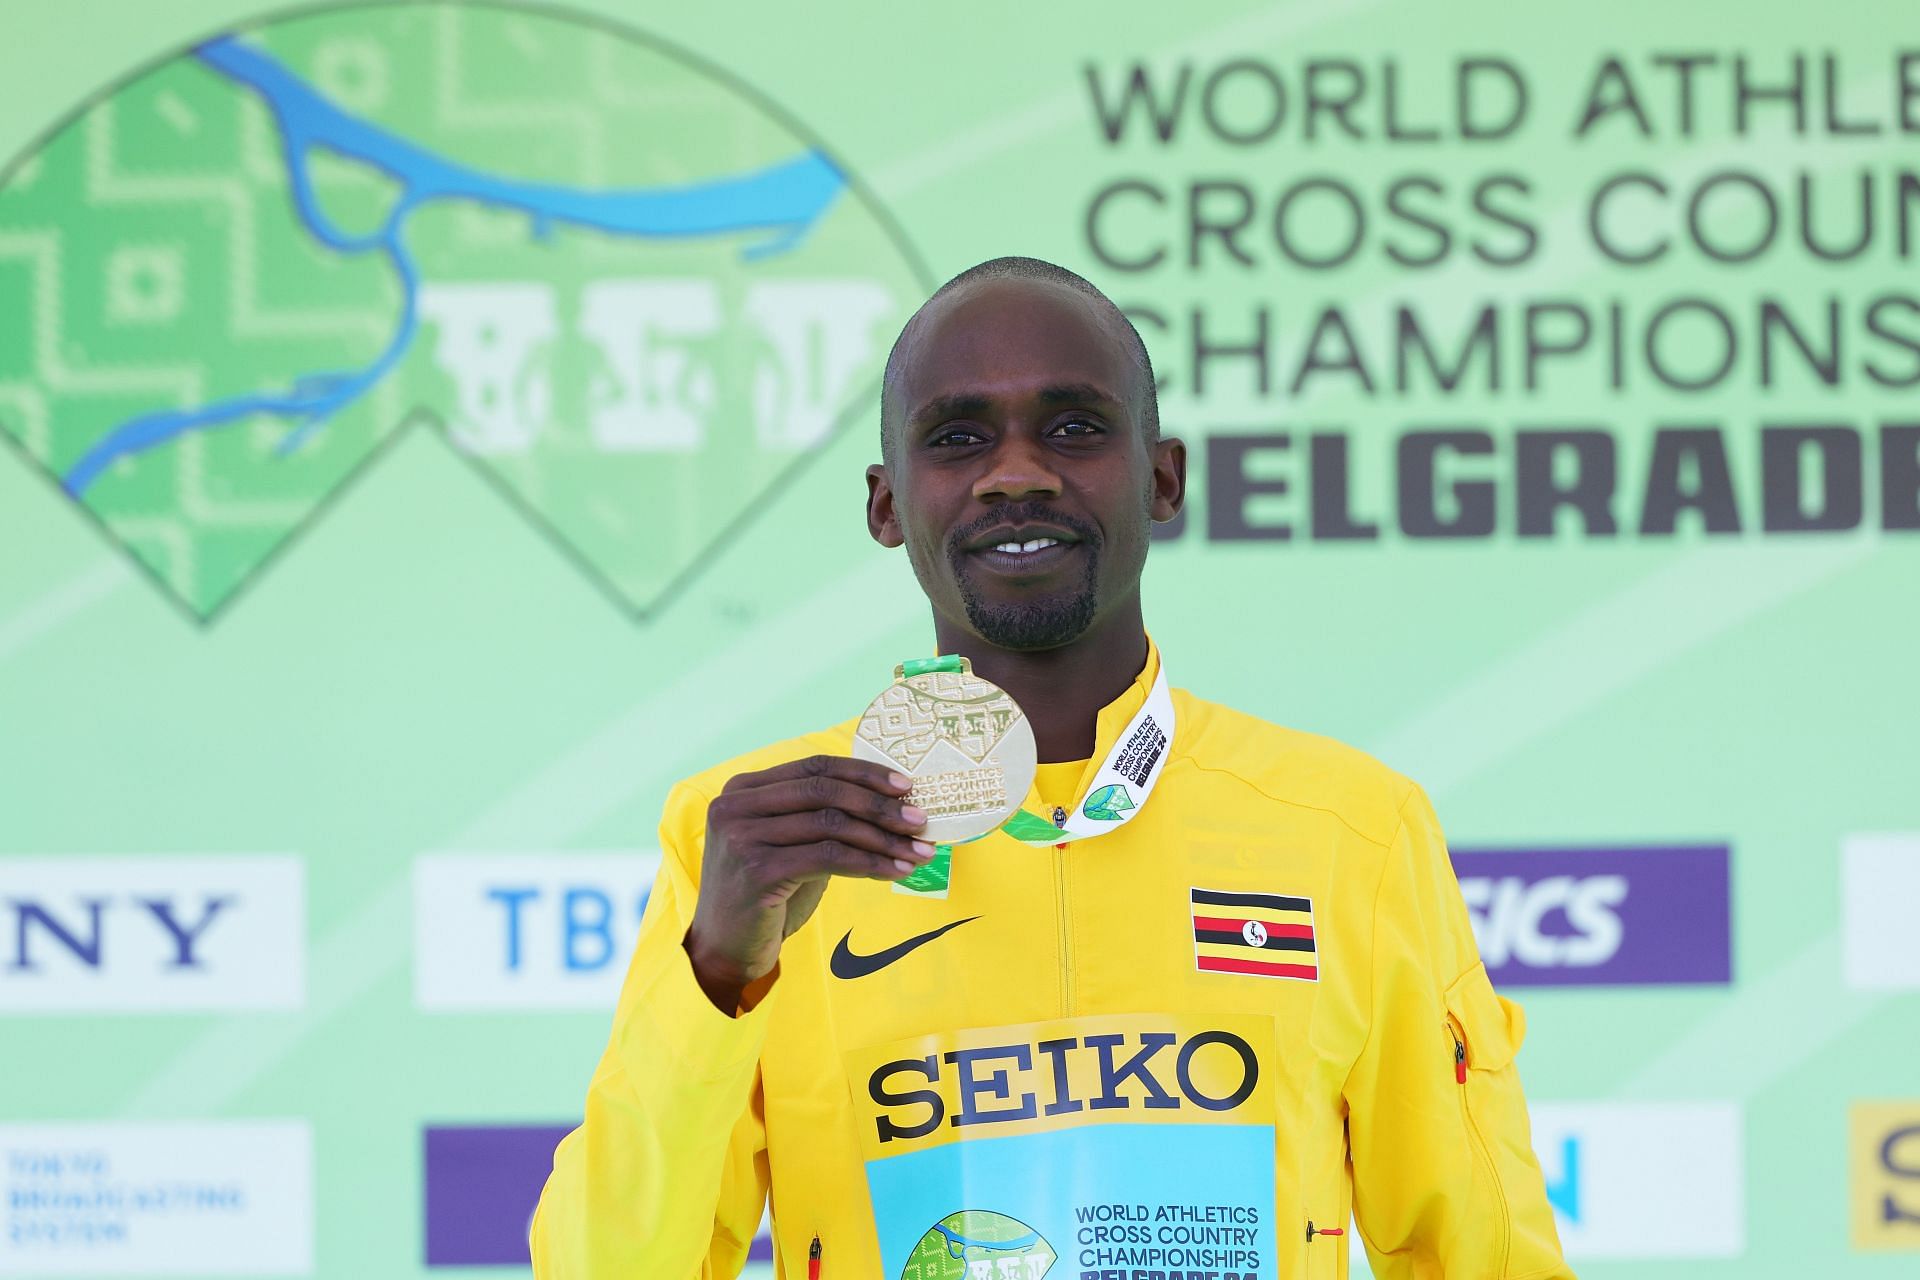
x=1062, y=690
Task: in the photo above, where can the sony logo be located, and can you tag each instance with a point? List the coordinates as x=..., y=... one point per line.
x=88, y=933
x=79, y=927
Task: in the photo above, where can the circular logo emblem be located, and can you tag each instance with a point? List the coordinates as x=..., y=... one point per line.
x=979, y=1244
x=1255, y=933
x=624, y=287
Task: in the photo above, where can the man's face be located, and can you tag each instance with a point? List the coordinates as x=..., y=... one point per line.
x=1022, y=483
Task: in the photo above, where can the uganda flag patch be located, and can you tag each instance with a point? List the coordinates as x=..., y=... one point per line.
x=1258, y=933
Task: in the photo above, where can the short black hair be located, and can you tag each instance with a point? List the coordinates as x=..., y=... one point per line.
x=1025, y=269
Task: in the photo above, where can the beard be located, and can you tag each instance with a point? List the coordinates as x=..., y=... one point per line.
x=1044, y=623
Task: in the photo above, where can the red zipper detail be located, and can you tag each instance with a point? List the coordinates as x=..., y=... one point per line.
x=813, y=1259
x=1322, y=1231
x=1459, y=1061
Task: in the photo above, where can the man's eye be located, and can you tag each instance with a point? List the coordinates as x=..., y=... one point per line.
x=1079, y=427
x=952, y=437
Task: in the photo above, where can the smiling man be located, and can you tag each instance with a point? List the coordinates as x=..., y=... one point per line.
x=1213, y=1010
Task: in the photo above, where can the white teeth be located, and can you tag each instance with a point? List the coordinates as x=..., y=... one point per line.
x=1035, y=545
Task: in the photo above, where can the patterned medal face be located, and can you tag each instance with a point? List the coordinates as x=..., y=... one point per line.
x=964, y=742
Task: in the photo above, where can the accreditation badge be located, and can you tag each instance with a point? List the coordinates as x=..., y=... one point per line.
x=965, y=743
x=1136, y=1145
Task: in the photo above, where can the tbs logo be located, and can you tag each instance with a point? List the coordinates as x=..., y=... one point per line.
x=526, y=931
x=1600, y=917
x=135, y=934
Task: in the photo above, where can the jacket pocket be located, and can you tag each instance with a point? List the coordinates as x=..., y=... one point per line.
x=1484, y=1033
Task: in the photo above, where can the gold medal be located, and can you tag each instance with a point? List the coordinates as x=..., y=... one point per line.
x=962, y=739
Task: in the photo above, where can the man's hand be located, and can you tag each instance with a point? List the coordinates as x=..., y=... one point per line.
x=773, y=838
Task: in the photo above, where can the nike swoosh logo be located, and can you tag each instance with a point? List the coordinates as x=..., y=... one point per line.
x=845, y=964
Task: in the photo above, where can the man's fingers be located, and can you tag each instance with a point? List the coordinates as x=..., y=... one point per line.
x=822, y=792
x=875, y=777
x=799, y=829
x=838, y=858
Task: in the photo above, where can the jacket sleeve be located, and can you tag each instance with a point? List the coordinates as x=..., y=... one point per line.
x=667, y=1175
x=1445, y=1180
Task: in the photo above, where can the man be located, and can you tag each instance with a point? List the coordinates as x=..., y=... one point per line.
x=1190, y=1046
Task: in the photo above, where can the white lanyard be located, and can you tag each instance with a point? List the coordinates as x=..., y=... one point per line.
x=1120, y=789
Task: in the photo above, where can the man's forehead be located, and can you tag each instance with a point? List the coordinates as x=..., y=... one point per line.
x=1012, y=338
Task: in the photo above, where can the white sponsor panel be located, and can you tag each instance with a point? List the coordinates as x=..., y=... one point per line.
x=1880, y=906
x=526, y=930
x=1644, y=1179
x=83, y=933
x=147, y=1199
x=1637, y=1180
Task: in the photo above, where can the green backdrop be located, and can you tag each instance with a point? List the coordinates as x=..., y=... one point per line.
x=402, y=630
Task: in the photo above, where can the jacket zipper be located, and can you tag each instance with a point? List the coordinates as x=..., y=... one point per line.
x=1066, y=932
x=1064, y=920
x=1481, y=1155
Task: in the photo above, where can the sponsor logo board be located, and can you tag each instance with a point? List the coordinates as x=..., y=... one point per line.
x=483, y=1184
x=1885, y=1143
x=1612, y=1199
x=82, y=933
x=526, y=931
x=231, y=1197
x=1879, y=887
x=1628, y=916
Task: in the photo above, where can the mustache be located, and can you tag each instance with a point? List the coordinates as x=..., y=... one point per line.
x=1021, y=513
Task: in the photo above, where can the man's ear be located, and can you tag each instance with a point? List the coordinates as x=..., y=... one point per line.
x=883, y=524
x=1169, y=479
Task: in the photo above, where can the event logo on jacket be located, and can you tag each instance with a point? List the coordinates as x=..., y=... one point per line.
x=604, y=273
x=1145, y=1140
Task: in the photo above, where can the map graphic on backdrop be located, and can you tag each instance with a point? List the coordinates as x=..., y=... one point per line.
x=248, y=268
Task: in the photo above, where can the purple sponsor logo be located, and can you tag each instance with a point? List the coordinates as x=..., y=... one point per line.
x=1600, y=916
x=483, y=1182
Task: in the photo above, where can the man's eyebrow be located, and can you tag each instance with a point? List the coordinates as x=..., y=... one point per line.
x=1077, y=393
x=962, y=404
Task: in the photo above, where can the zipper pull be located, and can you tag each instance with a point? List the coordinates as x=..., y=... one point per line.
x=1323, y=1231
x=1459, y=1061
x=813, y=1258
x=1059, y=817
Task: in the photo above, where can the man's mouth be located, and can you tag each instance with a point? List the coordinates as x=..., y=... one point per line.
x=1023, y=544
x=1017, y=555
x=1020, y=548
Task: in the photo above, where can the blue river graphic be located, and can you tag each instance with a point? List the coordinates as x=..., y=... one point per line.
x=784, y=199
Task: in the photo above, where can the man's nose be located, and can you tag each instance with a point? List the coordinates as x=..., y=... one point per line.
x=1019, y=468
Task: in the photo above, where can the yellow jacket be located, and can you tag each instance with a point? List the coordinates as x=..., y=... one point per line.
x=1072, y=1005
